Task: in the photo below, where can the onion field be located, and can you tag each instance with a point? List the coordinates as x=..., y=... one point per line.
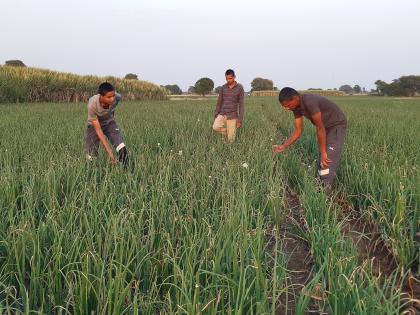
x=198, y=226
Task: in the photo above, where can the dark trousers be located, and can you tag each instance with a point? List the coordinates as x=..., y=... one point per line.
x=110, y=130
x=335, y=141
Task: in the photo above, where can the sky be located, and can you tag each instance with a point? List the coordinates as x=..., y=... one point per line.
x=300, y=43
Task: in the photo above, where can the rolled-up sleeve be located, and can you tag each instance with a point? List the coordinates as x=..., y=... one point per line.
x=91, y=111
x=219, y=103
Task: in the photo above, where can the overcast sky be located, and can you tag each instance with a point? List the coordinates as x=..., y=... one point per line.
x=299, y=43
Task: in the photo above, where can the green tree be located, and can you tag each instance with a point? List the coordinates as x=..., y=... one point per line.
x=346, y=89
x=261, y=84
x=381, y=87
x=410, y=85
x=395, y=89
x=204, y=86
x=357, y=89
x=404, y=86
x=191, y=90
x=174, y=89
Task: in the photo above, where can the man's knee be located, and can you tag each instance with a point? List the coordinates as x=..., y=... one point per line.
x=219, y=129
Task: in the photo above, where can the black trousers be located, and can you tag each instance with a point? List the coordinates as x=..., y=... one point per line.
x=335, y=141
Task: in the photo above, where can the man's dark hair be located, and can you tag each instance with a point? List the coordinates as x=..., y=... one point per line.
x=105, y=87
x=287, y=93
x=230, y=72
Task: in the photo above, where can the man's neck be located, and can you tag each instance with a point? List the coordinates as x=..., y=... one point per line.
x=230, y=86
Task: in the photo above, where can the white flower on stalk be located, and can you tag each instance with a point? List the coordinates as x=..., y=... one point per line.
x=158, y=144
x=198, y=119
x=180, y=152
x=245, y=165
x=172, y=150
x=209, y=176
x=271, y=139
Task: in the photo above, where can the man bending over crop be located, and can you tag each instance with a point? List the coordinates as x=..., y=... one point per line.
x=229, y=111
x=330, y=123
x=101, y=123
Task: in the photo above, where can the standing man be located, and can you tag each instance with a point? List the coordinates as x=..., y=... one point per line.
x=330, y=123
x=229, y=111
x=101, y=124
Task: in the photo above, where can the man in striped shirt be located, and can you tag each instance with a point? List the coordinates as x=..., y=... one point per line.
x=229, y=111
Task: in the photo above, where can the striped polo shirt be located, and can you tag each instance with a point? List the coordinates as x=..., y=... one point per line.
x=231, y=102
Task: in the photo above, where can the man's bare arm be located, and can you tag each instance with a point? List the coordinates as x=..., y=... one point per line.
x=322, y=139
x=96, y=125
x=295, y=135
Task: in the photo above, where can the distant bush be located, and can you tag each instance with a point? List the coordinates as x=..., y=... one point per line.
x=131, y=76
x=22, y=84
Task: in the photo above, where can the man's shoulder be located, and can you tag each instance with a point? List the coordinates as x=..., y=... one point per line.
x=316, y=97
x=94, y=100
x=309, y=96
x=240, y=86
x=311, y=99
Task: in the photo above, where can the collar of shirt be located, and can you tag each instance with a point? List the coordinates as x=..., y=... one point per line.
x=234, y=86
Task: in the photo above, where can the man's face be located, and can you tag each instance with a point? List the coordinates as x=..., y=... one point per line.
x=292, y=103
x=107, y=99
x=230, y=79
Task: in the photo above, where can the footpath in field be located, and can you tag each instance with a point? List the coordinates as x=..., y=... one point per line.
x=299, y=261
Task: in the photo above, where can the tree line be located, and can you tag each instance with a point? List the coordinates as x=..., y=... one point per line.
x=404, y=86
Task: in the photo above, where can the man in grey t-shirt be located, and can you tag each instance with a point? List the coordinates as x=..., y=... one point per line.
x=330, y=123
x=101, y=123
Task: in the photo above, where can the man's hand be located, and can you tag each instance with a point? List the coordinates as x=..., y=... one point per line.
x=278, y=148
x=113, y=159
x=324, y=161
x=101, y=136
x=238, y=124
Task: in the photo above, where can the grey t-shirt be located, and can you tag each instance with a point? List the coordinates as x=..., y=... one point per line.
x=96, y=111
x=331, y=114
